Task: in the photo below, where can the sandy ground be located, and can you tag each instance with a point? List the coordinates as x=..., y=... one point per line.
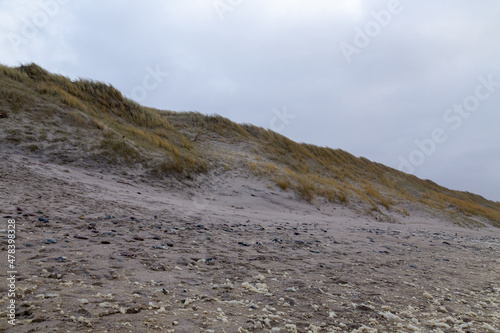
x=97, y=252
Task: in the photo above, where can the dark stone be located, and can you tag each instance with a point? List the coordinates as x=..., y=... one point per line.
x=81, y=237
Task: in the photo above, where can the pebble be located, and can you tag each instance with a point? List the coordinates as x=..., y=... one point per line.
x=164, y=246
x=243, y=244
x=159, y=247
x=81, y=237
x=43, y=219
x=51, y=241
x=61, y=259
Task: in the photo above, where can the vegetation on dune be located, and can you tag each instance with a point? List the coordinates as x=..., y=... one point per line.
x=114, y=129
x=129, y=131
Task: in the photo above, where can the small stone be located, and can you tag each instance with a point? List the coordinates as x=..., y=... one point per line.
x=81, y=237
x=51, y=241
x=61, y=259
x=43, y=219
x=159, y=247
x=243, y=244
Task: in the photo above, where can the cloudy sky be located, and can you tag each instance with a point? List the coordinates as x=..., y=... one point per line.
x=414, y=85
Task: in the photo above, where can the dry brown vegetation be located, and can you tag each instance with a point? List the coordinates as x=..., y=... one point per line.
x=77, y=121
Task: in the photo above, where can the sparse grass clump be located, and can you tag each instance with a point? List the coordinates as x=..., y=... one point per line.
x=33, y=148
x=116, y=150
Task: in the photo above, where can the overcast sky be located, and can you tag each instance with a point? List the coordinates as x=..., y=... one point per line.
x=414, y=85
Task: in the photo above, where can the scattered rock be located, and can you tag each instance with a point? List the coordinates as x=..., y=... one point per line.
x=81, y=237
x=159, y=247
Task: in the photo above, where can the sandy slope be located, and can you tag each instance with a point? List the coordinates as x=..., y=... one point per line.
x=228, y=253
